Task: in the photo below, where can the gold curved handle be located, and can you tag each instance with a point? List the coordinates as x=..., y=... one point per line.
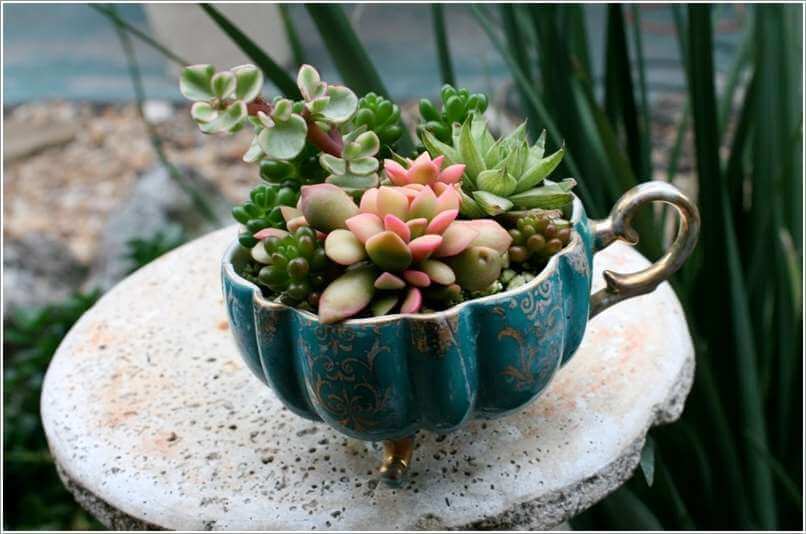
x=619, y=226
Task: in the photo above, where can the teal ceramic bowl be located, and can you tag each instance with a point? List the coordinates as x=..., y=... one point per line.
x=384, y=378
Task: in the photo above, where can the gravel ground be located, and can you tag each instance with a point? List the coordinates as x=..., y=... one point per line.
x=67, y=185
x=69, y=190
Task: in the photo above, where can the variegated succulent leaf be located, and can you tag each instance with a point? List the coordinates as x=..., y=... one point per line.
x=220, y=98
x=330, y=104
x=357, y=168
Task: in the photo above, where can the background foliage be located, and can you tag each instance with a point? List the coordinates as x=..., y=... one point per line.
x=734, y=460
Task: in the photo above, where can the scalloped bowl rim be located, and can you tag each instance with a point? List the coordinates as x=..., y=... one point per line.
x=550, y=267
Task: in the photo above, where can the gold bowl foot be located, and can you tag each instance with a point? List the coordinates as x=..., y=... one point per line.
x=396, y=460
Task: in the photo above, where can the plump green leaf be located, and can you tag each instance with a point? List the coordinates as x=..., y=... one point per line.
x=354, y=183
x=347, y=295
x=388, y=251
x=341, y=106
x=383, y=305
x=516, y=138
x=497, y=182
x=538, y=172
x=229, y=120
x=255, y=153
x=476, y=267
x=285, y=140
x=309, y=83
x=481, y=133
x=282, y=110
x=648, y=460
x=515, y=163
x=332, y=164
x=539, y=148
x=469, y=208
x=203, y=112
x=548, y=196
x=318, y=105
x=223, y=84
x=248, y=82
x=435, y=147
x=363, y=166
x=469, y=152
x=365, y=144
x=195, y=82
x=344, y=248
x=492, y=204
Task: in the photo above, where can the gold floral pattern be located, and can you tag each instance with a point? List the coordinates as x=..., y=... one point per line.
x=342, y=381
x=543, y=313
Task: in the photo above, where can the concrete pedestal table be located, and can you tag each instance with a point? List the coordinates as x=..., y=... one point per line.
x=154, y=421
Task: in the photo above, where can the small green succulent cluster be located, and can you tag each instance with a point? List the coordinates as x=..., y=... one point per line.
x=302, y=170
x=457, y=105
x=538, y=236
x=356, y=170
x=262, y=210
x=220, y=98
x=379, y=115
x=501, y=174
x=293, y=265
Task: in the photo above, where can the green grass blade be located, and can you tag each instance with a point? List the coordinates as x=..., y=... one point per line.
x=627, y=512
x=297, y=50
x=713, y=426
x=675, y=500
x=533, y=98
x=443, y=50
x=350, y=56
x=737, y=68
x=791, y=489
x=518, y=51
x=750, y=396
x=619, y=93
x=150, y=41
x=646, y=131
x=558, y=91
x=577, y=32
x=196, y=196
x=712, y=284
x=279, y=77
x=677, y=146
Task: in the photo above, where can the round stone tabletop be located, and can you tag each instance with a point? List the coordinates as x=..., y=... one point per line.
x=154, y=421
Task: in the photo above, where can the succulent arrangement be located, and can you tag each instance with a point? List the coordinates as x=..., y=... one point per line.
x=345, y=226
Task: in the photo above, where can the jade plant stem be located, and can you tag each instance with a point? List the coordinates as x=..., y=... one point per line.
x=329, y=142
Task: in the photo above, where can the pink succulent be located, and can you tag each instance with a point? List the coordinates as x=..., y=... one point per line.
x=424, y=171
x=409, y=232
x=403, y=227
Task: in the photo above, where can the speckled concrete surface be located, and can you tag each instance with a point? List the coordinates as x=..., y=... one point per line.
x=154, y=420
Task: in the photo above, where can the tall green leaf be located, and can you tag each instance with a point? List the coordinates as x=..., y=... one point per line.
x=517, y=47
x=627, y=512
x=619, y=93
x=279, y=77
x=112, y=15
x=297, y=50
x=534, y=99
x=198, y=198
x=350, y=56
x=645, y=130
x=443, y=50
x=712, y=284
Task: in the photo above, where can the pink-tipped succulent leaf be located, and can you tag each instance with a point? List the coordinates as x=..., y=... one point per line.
x=347, y=295
x=423, y=170
x=413, y=301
